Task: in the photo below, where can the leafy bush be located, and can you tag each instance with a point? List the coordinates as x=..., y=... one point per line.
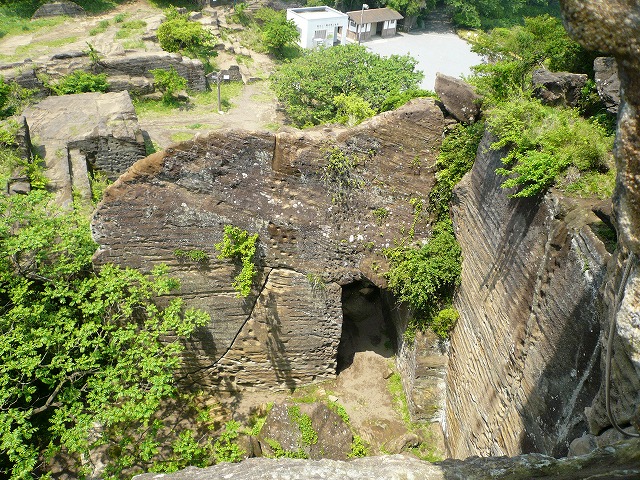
x=80, y=347
x=398, y=99
x=278, y=32
x=425, y=277
x=225, y=449
x=352, y=109
x=358, y=448
x=308, y=85
x=237, y=243
x=498, y=13
x=514, y=53
x=168, y=82
x=179, y=34
x=13, y=98
x=543, y=142
x=80, y=82
x=456, y=157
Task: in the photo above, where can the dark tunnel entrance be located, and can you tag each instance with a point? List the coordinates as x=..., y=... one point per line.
x=366, y=324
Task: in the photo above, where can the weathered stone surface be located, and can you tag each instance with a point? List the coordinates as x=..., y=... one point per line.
x=458, y=98
x=402, y=443
x=61, y=7
x=619, y=461
x=607, y=82
x=613, y=27
x=558, y=88
x=315, y=235
x=524, y=354
x=334, y=436
x=139, y=64
x=104, y=127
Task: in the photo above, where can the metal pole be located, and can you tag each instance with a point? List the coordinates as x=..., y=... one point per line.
x=364, y=6
x=218, y=82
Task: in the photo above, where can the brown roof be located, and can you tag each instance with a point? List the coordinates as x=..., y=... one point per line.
x=374, y=15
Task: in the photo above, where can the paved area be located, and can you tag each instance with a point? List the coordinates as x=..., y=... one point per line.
x=436, y=48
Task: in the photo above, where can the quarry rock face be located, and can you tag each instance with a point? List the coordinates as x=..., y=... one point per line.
x=316, y=225
x=74, y=133
x=524, y=359
x=607, y=82
x=612, y=27
x=619, y=461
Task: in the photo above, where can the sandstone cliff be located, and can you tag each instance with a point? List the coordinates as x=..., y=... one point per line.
x=317, y=232
x=524, y=354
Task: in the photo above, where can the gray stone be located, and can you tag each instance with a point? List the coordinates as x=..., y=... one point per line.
x=558, y=88
x=458, y=98
x=620, y=461
x=608, y=82
x=402, y=443
x=59, y=8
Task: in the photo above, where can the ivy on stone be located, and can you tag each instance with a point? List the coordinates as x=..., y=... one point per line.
x=239, y=244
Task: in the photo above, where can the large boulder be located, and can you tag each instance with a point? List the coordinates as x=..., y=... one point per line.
x=288, y=426
x=59, y=8
x=558, y=88
x=608, y=82
x=317, y=232
x=458, y=97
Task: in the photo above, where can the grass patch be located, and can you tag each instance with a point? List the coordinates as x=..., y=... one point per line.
x=181, y=136
x=394, y=384
x=102, y=27
x=590, y=184
x=228, y=91
x=272, y=126
x=150, y=108
x=134, y=45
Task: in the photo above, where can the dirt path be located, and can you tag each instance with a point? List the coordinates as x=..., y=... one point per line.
x=254, y=109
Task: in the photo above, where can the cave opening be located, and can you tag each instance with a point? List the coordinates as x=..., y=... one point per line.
x=366, y=323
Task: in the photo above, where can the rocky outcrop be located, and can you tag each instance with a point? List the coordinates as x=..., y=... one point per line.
x=74, y=134
x=59, y=8
x=129, y=71
x=558, y=88
x=311, y=197
x=458, y=97
x=612, y=27
x=619, y=461
x=607, y=82
x=325, y=436
x=524, y=354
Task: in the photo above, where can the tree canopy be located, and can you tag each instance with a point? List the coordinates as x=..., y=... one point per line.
x=308, y=86
x=498, y=13
x=84, y=353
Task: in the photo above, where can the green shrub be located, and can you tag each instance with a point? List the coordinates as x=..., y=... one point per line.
x=352, y=109
x=80, y=82
x=13, y=98
x=358, y=448
x=168, y=82
x=179, y=34
x=237, y=243
x=426, y=277
x=456, y=157
x=397, y=99
x=444, y=321
x=543, y=143
x=309, y=85
x=225, y=449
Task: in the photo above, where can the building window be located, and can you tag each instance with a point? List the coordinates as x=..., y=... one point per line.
x=320, y=34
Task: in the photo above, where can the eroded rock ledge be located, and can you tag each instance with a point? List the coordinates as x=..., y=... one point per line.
x=315, y=235
x=619, y=461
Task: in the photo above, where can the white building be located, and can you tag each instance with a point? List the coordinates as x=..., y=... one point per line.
x=319, y=26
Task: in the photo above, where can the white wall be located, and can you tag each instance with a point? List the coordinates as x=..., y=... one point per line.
x=309, y=27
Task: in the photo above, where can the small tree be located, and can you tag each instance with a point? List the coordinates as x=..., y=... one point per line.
x=279, y=33
x=168, y=82
x=179, y=34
